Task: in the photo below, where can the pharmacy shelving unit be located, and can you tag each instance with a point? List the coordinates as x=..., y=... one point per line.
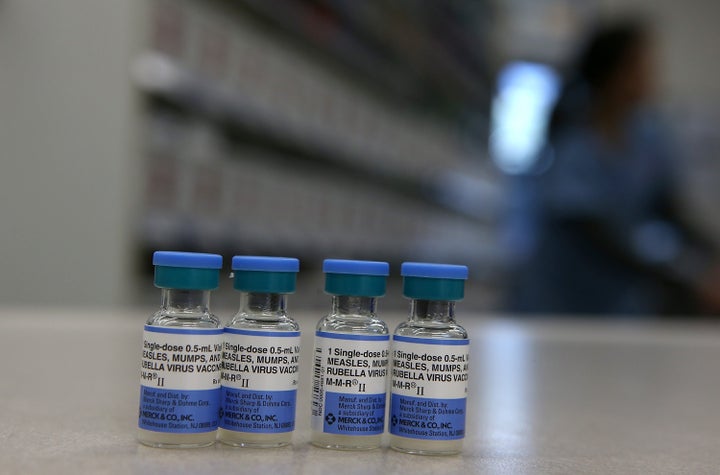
x=315, y=129
x=260, y=138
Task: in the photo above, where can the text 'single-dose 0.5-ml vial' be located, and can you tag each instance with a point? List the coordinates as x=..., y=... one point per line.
x=430, y=357
x=181, y=355
x=350, y=359
x=261, y=356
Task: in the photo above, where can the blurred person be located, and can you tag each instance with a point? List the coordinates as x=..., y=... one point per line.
x=601, y=203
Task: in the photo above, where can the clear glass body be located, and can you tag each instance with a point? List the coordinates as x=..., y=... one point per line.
x=188, y=309
x=429, y=319
x=260, y=311
x=350, y=315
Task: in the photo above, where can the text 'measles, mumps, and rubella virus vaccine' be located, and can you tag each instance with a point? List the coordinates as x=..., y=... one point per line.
x=181, y=355
x=350, y=360
x=430, y=356
x=261, y=353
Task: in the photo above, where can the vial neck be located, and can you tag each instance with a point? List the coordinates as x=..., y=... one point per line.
x=186, y=302
x=347, y=305
x=432, y=311
x=262, y=304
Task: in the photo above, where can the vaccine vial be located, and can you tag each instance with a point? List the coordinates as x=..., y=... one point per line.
x=181, y=355
x=430, y=355
x=350, y=359
x=261, y=353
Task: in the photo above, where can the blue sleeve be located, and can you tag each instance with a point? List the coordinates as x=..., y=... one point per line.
x=575, y=183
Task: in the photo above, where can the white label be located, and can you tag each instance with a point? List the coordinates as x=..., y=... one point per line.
x=259, y=380
x=429, y=388
x=349, y=383
x=260, y=361
x=180, y=379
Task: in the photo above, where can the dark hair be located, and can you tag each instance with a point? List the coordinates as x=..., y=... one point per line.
x=607, y=50
x=604, y=53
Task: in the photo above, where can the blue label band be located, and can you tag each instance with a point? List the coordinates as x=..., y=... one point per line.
x=237, y=331
x=352, y=336
x=430, y=341
x=354, y=414
x=178, y=411
x=427, y=418
x=267, y=412
x=184, y=331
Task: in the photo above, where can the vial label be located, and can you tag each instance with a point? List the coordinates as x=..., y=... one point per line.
x=349, y=383
x=259, y=380
x=180, y=379
x=429, y=388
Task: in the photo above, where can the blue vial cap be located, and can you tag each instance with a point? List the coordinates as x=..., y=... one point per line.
x=265, y=274
x=196, y=260
x=428, y=281
x=265, y=263
x=187, y=270
x=355, y=278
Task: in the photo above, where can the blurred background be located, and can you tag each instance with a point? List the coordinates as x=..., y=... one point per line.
x=406, y=130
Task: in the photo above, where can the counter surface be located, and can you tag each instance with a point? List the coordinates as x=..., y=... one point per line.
x=546, y=396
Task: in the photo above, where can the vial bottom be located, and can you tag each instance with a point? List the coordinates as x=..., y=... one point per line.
x=176, y=441
x=425, y=447
x=249, y=439
x=345, y=442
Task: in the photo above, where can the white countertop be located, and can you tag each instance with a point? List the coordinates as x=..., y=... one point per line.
x=546, y=397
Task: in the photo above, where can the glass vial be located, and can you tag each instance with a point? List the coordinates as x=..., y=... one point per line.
x=261, y=353
x=430, y=354
x=350, y=359
x=180, y=369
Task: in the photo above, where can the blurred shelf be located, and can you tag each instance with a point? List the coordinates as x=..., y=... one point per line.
x=433, y=177
x=262, y=133
x=428, y=54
